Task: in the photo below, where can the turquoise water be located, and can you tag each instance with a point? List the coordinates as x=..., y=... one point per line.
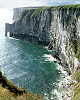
x=23, y=64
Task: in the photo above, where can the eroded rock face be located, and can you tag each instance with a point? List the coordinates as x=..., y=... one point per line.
x=64, y=29
x=32, y=29
x=58, y=28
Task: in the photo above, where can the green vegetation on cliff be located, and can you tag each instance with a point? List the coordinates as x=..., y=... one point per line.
x=9, y=91
x=27, y=13
x=74, y=7
x=37, y=11
x=12, y=87
x=33, y=13
x=78, y=55
x=6, y=94
x=23, y=14
x=76, y=47
x=76, y=88
x=76, y=76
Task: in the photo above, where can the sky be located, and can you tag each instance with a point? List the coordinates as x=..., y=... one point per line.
x=6, y=7
x=6, y=16
x=25, y=3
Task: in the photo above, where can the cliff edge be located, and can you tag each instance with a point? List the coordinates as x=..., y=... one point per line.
x=9, y=91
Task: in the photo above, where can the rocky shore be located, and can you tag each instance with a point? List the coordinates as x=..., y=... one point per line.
x=67, y=85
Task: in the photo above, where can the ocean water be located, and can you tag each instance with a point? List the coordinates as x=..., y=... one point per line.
x=24, y=63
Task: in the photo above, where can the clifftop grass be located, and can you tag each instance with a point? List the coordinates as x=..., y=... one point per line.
x=9, y=91
x=10, y=86
x=5, y=94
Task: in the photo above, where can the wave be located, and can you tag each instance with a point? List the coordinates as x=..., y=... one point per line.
x=57, y=92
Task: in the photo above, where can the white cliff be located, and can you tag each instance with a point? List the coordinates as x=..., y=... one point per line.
x=53, y=26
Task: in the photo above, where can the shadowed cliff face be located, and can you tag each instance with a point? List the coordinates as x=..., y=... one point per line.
x=30, y=27
x=56, y=26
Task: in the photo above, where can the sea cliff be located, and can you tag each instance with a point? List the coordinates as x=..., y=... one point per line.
x=57, y=27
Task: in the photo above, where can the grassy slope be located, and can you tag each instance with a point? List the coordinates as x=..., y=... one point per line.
x=9, y=91
x=5, y=94
x=76, y=88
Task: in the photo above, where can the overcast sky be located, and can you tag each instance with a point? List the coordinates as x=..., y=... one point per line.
x=25, y=3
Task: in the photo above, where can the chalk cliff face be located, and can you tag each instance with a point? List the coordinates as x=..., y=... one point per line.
x=18, y=11
x=57, y=28
x=31, y=28
x=63, y=31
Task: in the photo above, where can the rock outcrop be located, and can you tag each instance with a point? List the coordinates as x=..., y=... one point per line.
x=57, y=27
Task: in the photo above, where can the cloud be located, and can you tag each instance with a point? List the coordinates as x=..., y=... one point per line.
x=25, y=3
x=21, y=3
x=57, y=2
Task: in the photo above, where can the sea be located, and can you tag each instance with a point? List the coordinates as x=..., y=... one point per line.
x=26, y=65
